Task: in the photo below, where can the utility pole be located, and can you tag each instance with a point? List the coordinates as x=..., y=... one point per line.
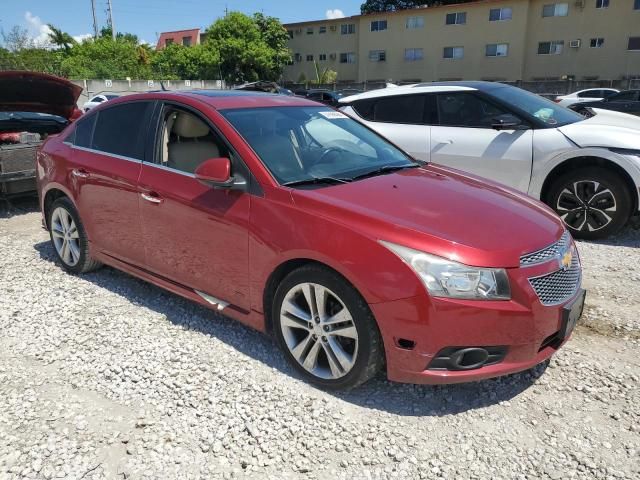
x=113, y=27
x=95, y=22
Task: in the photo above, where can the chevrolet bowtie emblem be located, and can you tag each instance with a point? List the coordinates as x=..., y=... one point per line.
x=565, y=260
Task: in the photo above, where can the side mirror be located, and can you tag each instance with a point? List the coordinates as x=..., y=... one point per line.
x=507, y=122
x=215, y=172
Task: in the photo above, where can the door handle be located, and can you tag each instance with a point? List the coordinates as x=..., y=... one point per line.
x=80, y=173
x=444, y=142
x=151, y=197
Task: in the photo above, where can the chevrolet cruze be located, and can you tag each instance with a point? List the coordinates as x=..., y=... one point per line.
x=299, y=221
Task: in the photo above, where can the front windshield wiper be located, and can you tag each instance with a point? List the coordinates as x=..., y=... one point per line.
x=315, y=180
x=384, y=169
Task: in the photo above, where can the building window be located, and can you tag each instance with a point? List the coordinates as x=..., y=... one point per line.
x=378, y=25
x=555, y=10
x=297, y=57
x=453, y=52
x=634, y=43
x=349, y=57
x=602, y=3
x=290, y=32
x=186, y=41
x=415, y=22
x=309, y=58
x=309, y=30
x=636, y=5
x=377, y=55
x=348, y=28
x=497, y=50
x=168, y=42
x=499, y=14
x=597, y=42
x=413, y=54
x=322, y=57
x=459, y=18
x=550, y=48
x=322, y=29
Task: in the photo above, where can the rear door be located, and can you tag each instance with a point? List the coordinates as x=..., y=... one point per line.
x=625, y=102
x=464, y=139
x=403, y=119
x=108, y=150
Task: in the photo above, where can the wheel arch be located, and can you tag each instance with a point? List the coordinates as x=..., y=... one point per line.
x=50, y=196
x=589, y=161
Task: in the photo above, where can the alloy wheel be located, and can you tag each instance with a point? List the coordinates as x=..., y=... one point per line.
x=319, y=331
x=65, y=235
x=586, y=205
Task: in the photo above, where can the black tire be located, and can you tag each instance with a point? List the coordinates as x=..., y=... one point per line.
x=370, y=351
x=84, y=261
x=608, y=211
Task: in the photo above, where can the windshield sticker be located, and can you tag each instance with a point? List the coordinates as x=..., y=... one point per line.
x=333, y=115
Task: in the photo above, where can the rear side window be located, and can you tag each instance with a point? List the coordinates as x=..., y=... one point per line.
x=466, y=110
x=83, y=131
x=408, y=109
x=122, y=129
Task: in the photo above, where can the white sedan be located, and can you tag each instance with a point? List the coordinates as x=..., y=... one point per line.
x=586, y=169
x=588, y=95
x=97, y=100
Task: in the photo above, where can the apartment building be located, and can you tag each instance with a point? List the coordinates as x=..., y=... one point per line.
x=504, y=40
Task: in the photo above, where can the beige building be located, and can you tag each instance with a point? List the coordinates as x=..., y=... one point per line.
x=507, y=40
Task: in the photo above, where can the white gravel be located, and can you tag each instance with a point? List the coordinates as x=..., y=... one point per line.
x=105, y=376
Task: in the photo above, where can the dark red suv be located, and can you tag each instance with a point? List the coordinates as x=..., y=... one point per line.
x=299, y=221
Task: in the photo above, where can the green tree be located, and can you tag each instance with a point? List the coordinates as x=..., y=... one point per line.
x=373, y=6
x=61, y=39
x=16, y=39
x=250, y=48
x=198, y=62
x=326, y=76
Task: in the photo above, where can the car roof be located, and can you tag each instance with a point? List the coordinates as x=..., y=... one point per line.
x=431, y=87
x=226, y=99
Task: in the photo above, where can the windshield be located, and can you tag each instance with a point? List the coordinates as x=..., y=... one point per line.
x=552, y=114
x=305, y=143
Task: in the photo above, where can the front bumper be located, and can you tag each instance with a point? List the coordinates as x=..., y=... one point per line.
x=415, y=329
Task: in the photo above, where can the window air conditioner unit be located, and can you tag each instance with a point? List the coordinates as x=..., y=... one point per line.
x=579, y=3
x=333, y=28
x=574, y=44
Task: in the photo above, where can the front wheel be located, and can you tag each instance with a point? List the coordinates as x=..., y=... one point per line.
x=326, y=329
x=593, y=202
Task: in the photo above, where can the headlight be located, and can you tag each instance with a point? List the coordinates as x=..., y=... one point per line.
x=444, y=278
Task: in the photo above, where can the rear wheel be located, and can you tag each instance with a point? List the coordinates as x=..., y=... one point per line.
x=69, y=237
x=593, y=202
x=326, y=329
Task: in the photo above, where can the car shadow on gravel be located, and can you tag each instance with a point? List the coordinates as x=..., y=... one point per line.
x=13, y=206
x=377, y=394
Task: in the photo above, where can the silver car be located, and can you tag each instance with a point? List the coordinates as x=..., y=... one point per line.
x=586, y=169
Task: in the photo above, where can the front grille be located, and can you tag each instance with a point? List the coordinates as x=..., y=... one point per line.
x=547, y=253
x=559, y=286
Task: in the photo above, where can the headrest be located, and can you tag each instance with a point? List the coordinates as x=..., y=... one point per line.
x=189, y=126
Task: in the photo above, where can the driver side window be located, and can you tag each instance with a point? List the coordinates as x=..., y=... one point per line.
x=466, y=110
x=187, y=141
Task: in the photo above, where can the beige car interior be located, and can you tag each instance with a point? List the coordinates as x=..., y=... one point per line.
x=187, y=142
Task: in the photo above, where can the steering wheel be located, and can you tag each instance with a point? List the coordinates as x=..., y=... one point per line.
x=328, y=150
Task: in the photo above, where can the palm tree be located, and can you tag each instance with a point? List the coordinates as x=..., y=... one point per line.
x=61, y=39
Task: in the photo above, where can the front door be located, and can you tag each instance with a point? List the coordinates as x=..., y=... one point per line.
x=194, y=235
x=464, y=139
x=108, y=149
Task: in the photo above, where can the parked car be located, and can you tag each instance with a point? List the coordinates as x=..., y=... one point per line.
x=263, y=86
x=588, y=95
x=304, y=223
x=350, y=91
x=97, y=100
x=625, y=102
x=32, y=106
x=587, y=170
x=328, y=97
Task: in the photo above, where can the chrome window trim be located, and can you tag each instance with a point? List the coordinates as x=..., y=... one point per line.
x=169, y=169
x=113, y=155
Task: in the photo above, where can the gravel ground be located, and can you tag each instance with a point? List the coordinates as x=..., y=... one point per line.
x=105, y=376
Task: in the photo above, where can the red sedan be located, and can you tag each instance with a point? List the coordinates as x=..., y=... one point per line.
x=299, y=221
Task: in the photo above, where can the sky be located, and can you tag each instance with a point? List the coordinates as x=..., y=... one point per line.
x=147, y=18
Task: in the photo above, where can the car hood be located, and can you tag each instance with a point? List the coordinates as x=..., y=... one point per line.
x=37, y=92
x=606, y=129
x=441, y=211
